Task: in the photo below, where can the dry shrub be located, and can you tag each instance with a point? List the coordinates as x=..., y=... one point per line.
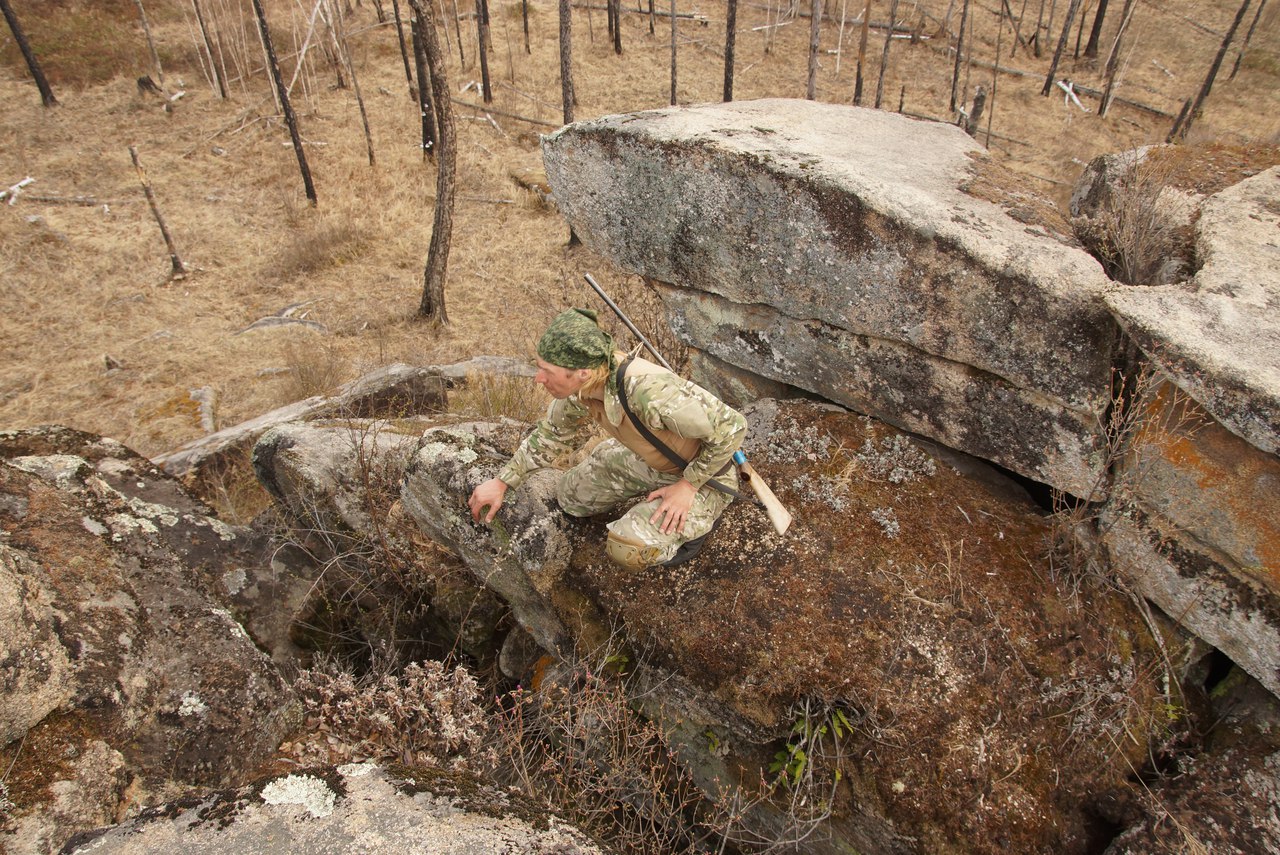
x=1139, y=234
x=488, y=396
x=426, y=715
x=317, y=246
x=579, y=744
x=314, y=368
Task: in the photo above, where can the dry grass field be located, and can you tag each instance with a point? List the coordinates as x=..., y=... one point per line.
x=96, y=336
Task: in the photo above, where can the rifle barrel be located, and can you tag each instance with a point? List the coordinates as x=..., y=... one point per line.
x=623, y=317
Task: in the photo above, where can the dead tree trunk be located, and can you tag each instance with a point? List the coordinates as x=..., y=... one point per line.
x=1198, y=104
x=673, y=53
x=33, y=65
x=955, y=74
x=815, y=31
x=432, y=307
x=457, y=27
x=730, y=37
x=1084, y=13
x=283, y=94
x=151, y=43
x=1039, y=28
x=973, y=118
x=425, y=108
x=1072, y=8
x=404, y=54
x=566, y=59
x=524, y=15
x=482, y=34
x=177, y=268
x=208, y=47
x=1248, y=37
x=617, y=26
x=884, y=57
x=1113, y=59
x=1091, y=49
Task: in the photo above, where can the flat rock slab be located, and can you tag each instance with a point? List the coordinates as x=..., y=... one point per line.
x=857, y=220
x=1219, y=337
x=357, y=808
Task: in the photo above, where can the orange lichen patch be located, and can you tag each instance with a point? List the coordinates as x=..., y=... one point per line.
x=1209, y=482
x=47, y=754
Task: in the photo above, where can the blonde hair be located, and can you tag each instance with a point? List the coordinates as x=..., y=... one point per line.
x=600, y=374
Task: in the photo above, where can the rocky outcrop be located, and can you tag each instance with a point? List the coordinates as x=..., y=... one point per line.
x=123, y=667
x=800, y=244
x=903, y=597
x=357, y=809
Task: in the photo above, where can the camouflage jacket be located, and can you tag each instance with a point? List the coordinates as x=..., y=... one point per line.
x=679, y=411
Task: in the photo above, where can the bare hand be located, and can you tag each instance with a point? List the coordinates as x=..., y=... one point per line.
x=677, y=499
x=488, y=495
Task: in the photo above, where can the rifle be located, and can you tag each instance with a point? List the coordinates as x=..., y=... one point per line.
x=778, y=514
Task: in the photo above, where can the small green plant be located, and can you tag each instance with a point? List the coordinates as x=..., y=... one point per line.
x=791, y=763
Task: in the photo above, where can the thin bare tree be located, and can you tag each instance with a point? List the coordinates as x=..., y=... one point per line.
x=884, y=57
x=33, y=65
x=404, y=53
x=524, y=15
x=151, y=42
x=1207, y=87
x=566, y=59
x=1072, y=8
x=1248, y=37
x=1113, y=58
x=282, y=93
x=673, y=53
x=730, y=38
x=344, y=49
x=955, y=74
x=815, y=30
x=432, y=306
x=617, y=26
x=862, y=53
x=218, y=79
x=482, y=36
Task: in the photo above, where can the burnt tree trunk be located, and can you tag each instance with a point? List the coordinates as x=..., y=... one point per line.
x=404, y=54
x=1072, y=8
x=425, y=108
x=482, y=33
x=283, y=94
x=1091, y=49
x=432, y=307
x=524, y=15
x=151, y=43
x=617, y=26
x=730, y=37
x=1198, y=104
x=566, y=59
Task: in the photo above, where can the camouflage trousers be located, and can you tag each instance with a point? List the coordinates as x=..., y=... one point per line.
x=613, y=474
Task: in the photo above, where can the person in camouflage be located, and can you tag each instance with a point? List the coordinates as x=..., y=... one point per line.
x=578, y=365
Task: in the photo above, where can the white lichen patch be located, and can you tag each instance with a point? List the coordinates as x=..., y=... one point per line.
x=93, y=526
x=306, y=790
x=356, y=770
x=237, y=631
x=61, y=470
x=192, y=706
x=123, y=525
x=161, y=513
x=888, y=521
x=235, y=580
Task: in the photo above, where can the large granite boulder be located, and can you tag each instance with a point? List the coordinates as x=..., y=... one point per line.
x=123, y=667
x=836, y=249
x=356, y=809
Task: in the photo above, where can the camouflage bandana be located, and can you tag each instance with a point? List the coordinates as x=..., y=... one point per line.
x=575, y=340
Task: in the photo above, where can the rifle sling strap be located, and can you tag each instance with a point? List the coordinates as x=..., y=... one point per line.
x=666, y=450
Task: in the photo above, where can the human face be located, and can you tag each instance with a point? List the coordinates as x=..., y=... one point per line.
x=560, y=382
